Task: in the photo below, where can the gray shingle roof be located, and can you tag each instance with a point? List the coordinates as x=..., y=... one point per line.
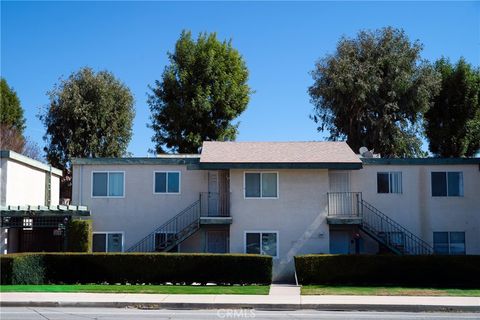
x=277, y=152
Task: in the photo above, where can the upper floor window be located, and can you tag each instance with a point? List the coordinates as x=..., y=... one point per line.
x=108, y=184
x=449, y=242
x=447, y=184
x=261, y=185
x=389, y=182
x=167, y=182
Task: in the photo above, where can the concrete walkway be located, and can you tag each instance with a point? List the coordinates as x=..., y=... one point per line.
x=284, y=290
x=279, y=299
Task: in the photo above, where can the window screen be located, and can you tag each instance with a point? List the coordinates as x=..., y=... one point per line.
x=382, y=182
x=252, y=185
x=439, y=184
x=99, y=184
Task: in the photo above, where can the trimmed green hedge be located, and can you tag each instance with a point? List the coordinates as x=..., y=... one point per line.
x=79, y=236
x=22, y=269
x=150, y=268
x=432, y=271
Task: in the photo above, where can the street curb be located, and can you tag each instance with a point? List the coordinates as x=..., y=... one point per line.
x=257, y=306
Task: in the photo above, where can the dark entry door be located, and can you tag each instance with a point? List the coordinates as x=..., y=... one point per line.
x=217, y=242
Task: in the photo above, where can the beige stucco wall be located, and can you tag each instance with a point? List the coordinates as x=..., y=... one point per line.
x=25, y=185
x=140, y=211
x=417, y=210
x=298, y=215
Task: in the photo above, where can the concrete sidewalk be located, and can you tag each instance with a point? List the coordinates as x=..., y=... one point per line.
x=260, y=302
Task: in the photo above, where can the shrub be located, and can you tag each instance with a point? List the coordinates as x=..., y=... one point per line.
x=153, y=268
x=79, y=236
x=6, y=266
x=22, y=269
x=431, y=270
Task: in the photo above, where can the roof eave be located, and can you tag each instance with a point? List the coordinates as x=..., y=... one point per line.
x=279, y=165
x=420, y=161
x=136, y=161
x=27, y=161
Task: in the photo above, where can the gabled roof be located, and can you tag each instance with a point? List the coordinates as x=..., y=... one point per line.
x=315, y=154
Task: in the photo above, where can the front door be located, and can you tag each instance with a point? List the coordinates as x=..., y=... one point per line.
x=217, y=242
x=340, y=199
x=339, y=181
x=213, y=193
x=339, y=242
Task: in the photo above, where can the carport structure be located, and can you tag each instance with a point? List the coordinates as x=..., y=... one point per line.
x=37, y=228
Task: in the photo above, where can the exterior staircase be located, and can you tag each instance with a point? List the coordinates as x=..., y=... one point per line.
x=211, y=208
x=171, y=233
x=350, y=208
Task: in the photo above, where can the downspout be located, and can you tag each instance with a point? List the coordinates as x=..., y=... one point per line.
x=80, y=200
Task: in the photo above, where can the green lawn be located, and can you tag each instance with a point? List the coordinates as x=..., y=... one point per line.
x=387, y=291
x=166, y=289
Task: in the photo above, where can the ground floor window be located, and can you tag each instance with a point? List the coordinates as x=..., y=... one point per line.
x=164, y=240
x=107, y=242
x=449, y=242
x=397, y=238
x=262, y=242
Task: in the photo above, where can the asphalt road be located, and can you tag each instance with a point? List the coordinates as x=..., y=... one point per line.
x=22, y=313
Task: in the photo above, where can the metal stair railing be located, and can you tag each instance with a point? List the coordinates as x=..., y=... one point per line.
x=376, y=224
x=172, y=232
x=344, y=204
x=215, y=204
x=390, y=233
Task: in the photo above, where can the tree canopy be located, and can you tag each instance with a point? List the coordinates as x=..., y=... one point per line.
x=12, y=124
x=11, y=112
x=452, y=124
x=201, y=91
x=373, y=91
x=90, y=115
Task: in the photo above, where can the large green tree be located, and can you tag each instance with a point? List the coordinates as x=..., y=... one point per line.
x=452, y=124
x=201, y=91
x=373, y=91
x=90, y=115
x=11, y=112
x=12, y=124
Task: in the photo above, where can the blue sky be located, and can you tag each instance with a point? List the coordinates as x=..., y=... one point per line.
x=280, y=41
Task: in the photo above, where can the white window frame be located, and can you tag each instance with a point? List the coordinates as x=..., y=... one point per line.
x=106, y=233
x=446, y=182
x=449, y=241
x=260, y=232
x=389, y=182
x=108, y=179
x=166, y=185
x=261, y=182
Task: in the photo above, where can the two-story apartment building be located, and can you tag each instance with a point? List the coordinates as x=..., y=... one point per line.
x=281, y=199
